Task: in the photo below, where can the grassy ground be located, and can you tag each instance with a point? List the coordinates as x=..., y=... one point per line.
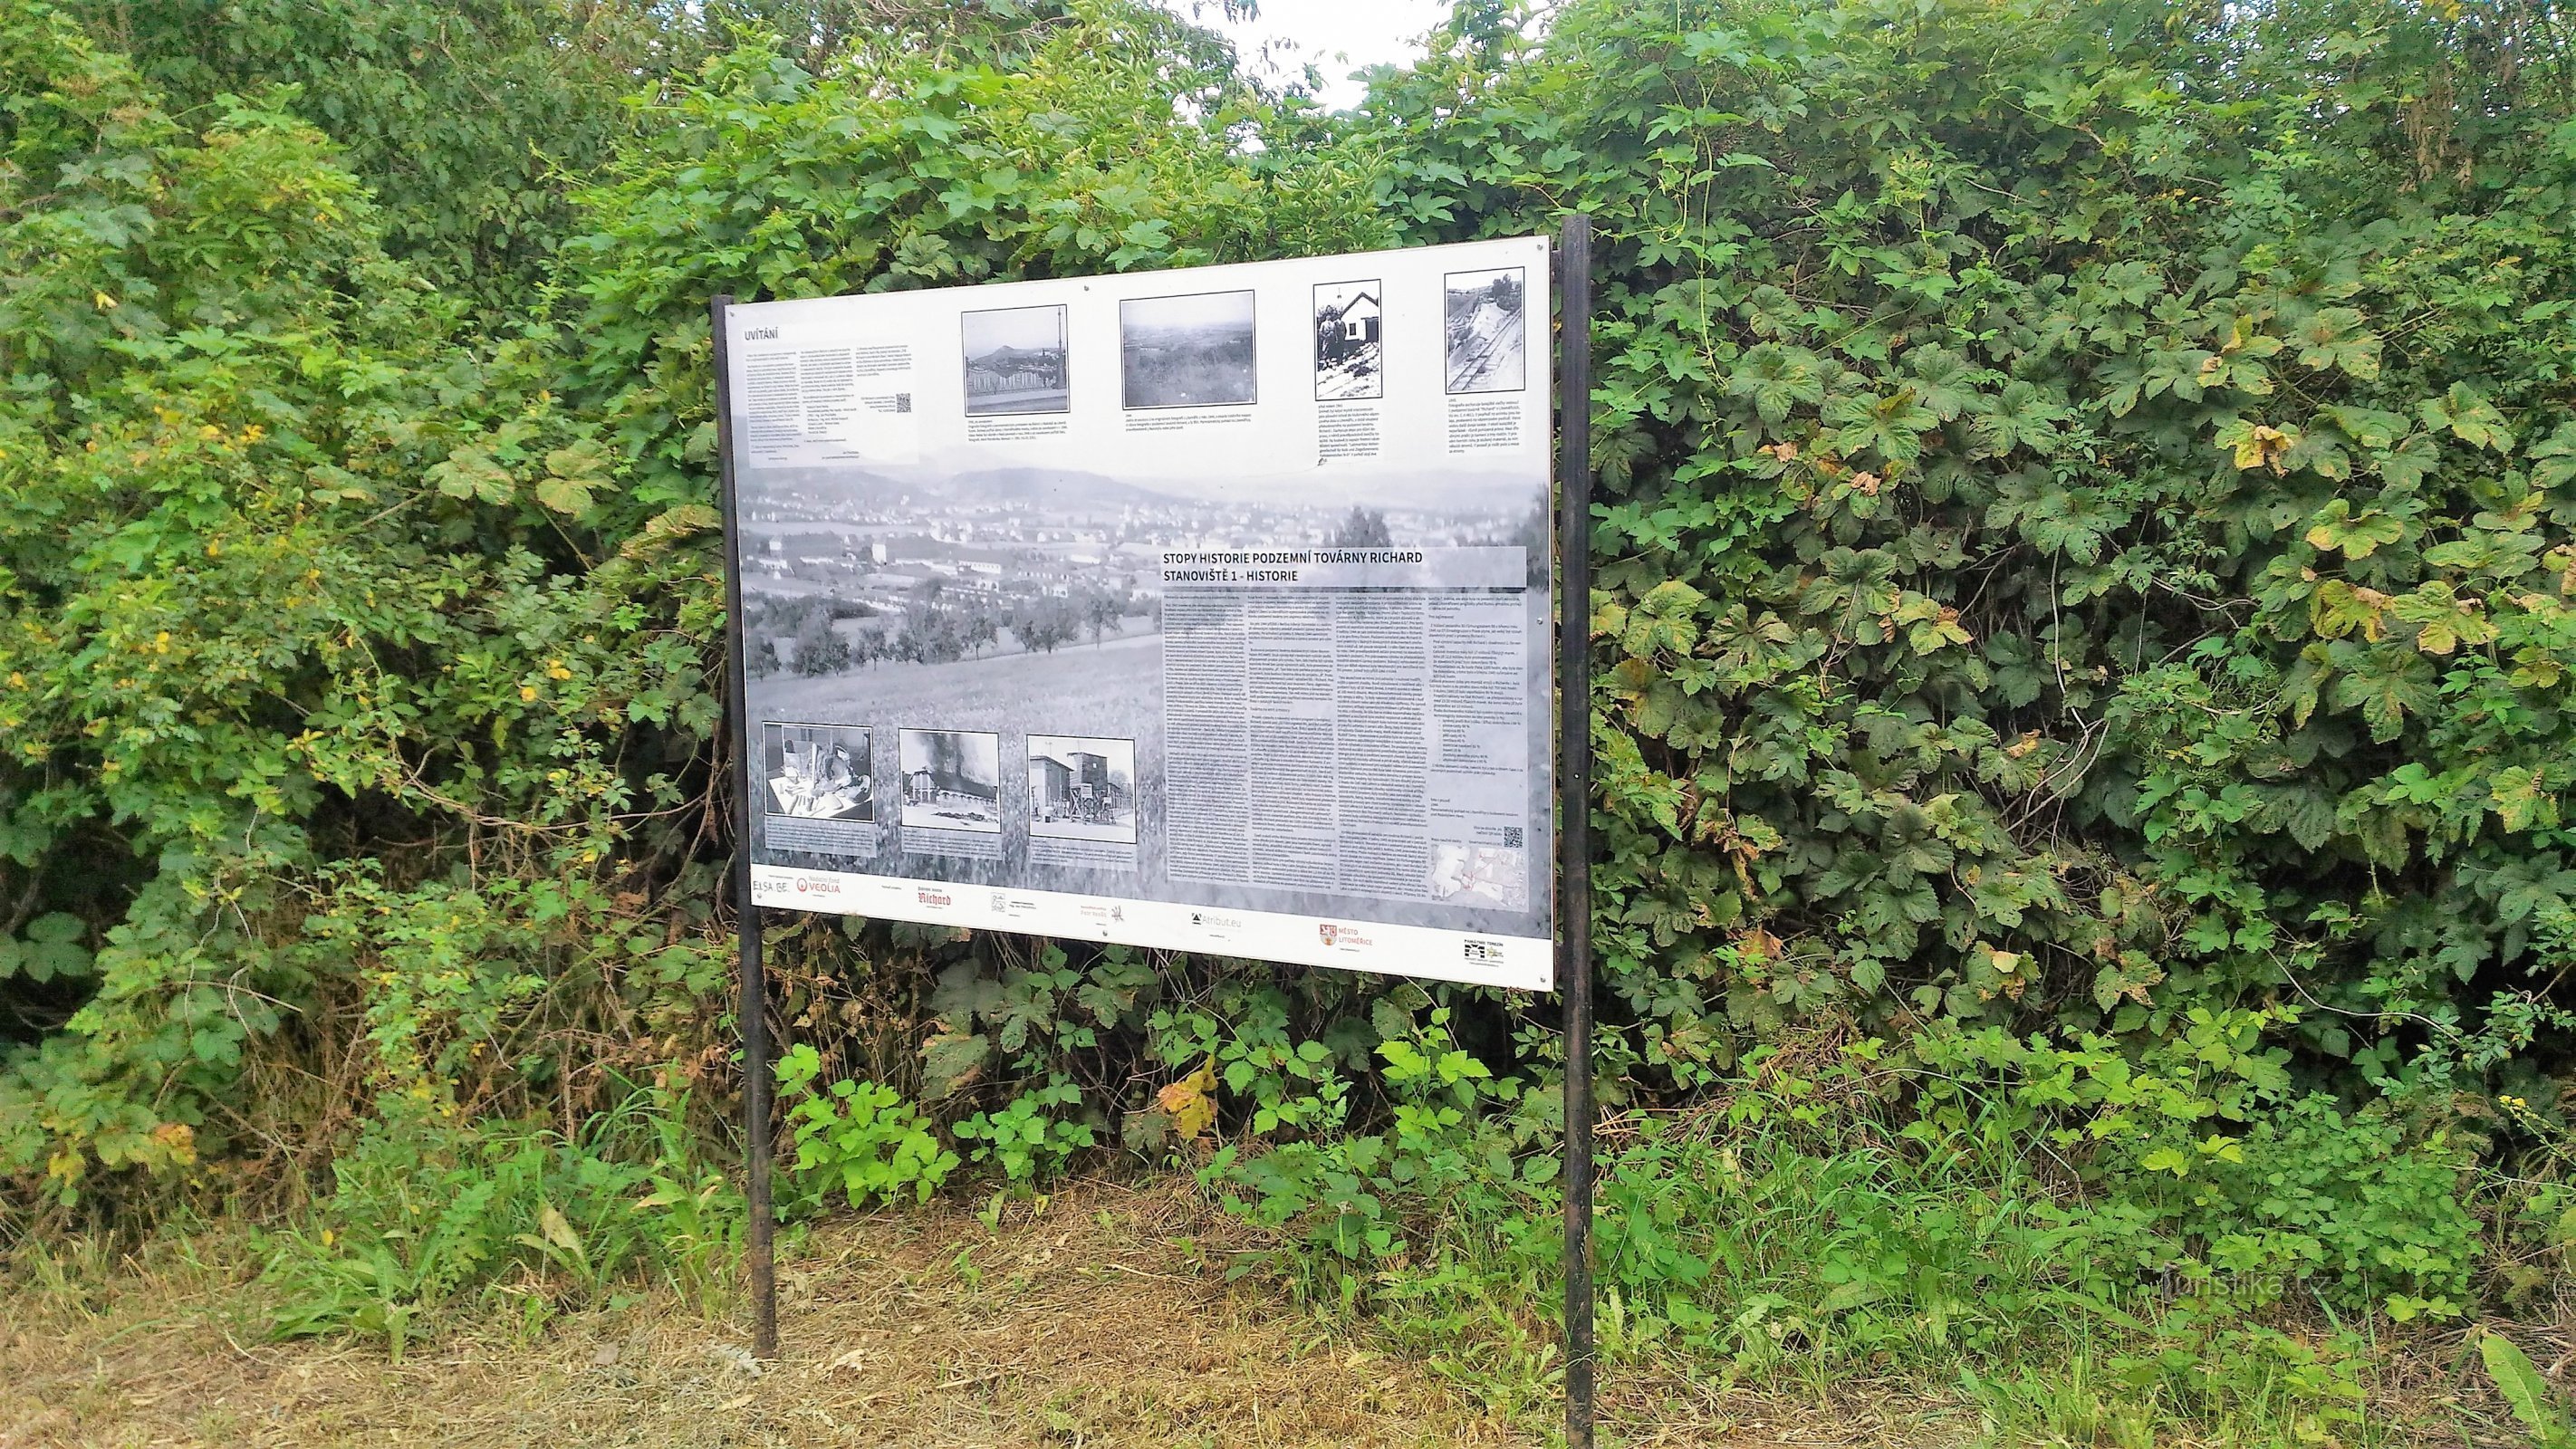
x=1110, y=688
x=1100, y=1316
x=1097, y=1318
x=1079, y=1323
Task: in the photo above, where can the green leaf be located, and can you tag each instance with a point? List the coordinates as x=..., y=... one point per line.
x=2335, y=339
x=2554, y=457
x=2385, y=685
x=2410, y=462
x=564, y=495
x=2525, y=1392
x=2023, y=415
x=470, y=474
x=2469, y=417
x=51, y=948
x=1775, y=379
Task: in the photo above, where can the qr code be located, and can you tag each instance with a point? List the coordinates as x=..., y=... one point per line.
x=903, y=402
x=1511, y=837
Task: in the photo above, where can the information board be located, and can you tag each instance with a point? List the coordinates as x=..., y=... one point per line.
x=1205, y=609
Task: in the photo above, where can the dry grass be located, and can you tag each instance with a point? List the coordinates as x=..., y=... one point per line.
x=1084, y=1322
x=1098, y=1317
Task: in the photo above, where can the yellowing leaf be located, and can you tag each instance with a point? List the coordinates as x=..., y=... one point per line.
x=564, y=495
x=676, y=523
x=1191, y=1101
x=2257, y=445
x=558, y=1230
x=2522, y=798
x=2469, y=417
x=2338, y=608
x=2355, y=535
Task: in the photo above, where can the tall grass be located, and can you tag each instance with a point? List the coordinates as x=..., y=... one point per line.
x=429, y=1218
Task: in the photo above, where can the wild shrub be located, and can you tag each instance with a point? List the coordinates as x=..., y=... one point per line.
x=1352, y=1201
x=295, y=657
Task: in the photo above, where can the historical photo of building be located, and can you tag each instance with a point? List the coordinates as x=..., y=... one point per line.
x=819, y=772
x=1082, y=789
x=1487, y=336
x=1347, y=346
x=1187, y=352
x=1015, y=361
x=952, y=780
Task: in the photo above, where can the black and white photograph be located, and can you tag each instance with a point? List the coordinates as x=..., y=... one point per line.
x=1348, y=349
x=952, y=780
x=819, y=772
x=1486, y=338
x=1015, y=361
x=1082, y=788
x=1187, y=352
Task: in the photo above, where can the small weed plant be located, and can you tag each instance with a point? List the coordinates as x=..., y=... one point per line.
x=1034, y=1136
x=858, y=1139
x=1349, y=1204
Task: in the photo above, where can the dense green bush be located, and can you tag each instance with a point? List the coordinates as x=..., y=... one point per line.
x=358, y=666
x=453, y=113
x=323, y=711
x=2085, y=528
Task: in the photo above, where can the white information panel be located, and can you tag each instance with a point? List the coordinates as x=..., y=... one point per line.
x=1205, y=610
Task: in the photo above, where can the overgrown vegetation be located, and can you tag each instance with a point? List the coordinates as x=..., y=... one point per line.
x=2084, y=563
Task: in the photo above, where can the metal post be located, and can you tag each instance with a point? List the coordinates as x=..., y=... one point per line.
x=1574, y=815
x=754, y=1010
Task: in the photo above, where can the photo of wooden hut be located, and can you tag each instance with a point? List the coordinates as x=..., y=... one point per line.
x=1349, y=320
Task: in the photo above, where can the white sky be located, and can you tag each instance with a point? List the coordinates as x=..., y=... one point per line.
x=1339, y=36
x=1022, y=327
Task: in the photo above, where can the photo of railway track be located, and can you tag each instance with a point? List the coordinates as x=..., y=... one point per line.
x=1487, y=338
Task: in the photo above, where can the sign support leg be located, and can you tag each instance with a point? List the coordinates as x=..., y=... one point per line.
x=1574, y=792
x=760, y=1251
